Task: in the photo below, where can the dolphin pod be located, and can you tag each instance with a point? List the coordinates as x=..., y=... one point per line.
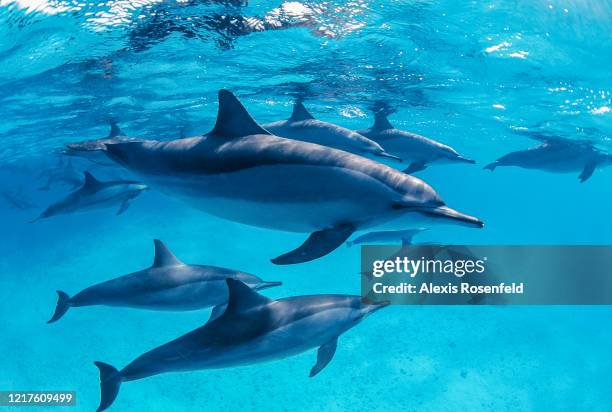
x=418, y=150
x=252, y=329
x=94, y=194
x=557, y=154
x=241, y=172
x=303, y=126
x=168, y=284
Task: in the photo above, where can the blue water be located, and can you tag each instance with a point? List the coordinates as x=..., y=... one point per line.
x=469, y=74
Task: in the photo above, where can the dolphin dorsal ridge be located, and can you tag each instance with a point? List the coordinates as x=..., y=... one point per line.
x=90, y=181
x=114, y=130
x=300, y=113
x=163, y=256
x=381, y=122
x=233, y=120
x=242, y=298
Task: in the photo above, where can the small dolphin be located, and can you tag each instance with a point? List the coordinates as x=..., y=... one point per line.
x=419, y=150
x=62, y=174
x=241, y=172
x=389, y=236
x=303, y=126
x=167, y=285
x=91, y=149
x=558, y=155
x=17, y=199
x=252, y=329
x=96, y=195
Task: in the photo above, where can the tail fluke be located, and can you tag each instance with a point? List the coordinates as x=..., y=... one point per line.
x=62, y=306
x=110, y=381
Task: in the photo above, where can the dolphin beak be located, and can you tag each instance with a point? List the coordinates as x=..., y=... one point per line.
x=455, y=216
x=267, y=285
x=371, y=307
x=462, y=159
x=388, y=156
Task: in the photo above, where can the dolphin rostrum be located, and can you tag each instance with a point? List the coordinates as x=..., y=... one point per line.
x=412, y=148
x=252, y=329
x=557, y=154
x=241, y=172
x=390, y=236
x=168, y=284
x=303, y=126
x=95, y=194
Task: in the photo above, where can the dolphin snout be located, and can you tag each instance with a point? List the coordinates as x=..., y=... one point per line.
x=462, y=159
x=389, y=156
x=267, y=285
x=445, y=212
x=371, y=307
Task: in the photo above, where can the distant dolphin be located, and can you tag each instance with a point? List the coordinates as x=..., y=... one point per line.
x=418, y=150
x=96, y=195
x=167, y=285
x=240, y=172
x=557, y=154
x=303, y=126
x=390, y=236
x=91, y=149
x=252, y=329
x=17, y=199
x=64, y=174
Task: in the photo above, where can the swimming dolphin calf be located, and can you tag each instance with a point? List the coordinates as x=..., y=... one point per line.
x=168, y=284
x=252, y=329
x=557, y=154
x=388, y=236
x=96, y=195
x=303, y=126
x=241, y=172
x=419, y=151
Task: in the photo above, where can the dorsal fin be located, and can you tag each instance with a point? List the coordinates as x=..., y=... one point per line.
x=90, y=181
x=114, y=130
x=233, y=120
x=300, y=113
x=242, y=297
x=381, y=122
x=163, y=256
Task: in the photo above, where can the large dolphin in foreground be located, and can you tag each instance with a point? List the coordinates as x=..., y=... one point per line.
x=557, y=154
x=303, y=126
x=252, y=329
x=241, y=172
x=96, y=195
x=168, y=284
x=412, y=148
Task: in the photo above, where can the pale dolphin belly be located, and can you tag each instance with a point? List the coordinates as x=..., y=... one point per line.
x=306, y=198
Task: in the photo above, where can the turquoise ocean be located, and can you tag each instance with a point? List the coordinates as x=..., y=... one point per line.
x=469, y=74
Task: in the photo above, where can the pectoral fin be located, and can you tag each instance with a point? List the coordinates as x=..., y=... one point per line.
x=124, y=206
x=324, y=356
x=415, y=167
x=318, y=244
x=587, y=172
